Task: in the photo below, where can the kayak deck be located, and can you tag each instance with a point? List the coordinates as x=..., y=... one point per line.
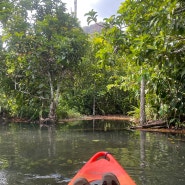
x=98, y=165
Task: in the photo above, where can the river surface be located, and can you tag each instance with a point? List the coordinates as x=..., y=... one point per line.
x=34, y=155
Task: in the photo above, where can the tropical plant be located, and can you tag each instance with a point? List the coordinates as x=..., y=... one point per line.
x=43, y=47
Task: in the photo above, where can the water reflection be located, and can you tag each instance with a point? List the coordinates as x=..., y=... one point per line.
x=30, y=154
x=3, y=180
x=142, y=157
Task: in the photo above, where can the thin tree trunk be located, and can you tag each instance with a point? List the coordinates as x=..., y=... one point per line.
x=53, y=103
x=52, y=110
x=57, y=94
x=142, y=102
x=94, y=105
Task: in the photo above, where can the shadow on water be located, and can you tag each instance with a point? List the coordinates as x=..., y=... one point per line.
x=30, y=154
x=97, y=125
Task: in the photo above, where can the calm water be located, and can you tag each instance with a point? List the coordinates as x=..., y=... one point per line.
x=32, y=155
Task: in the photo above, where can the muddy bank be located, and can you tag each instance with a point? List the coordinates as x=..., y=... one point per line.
x=126, y=118
x=98, y=117
x=108, y=117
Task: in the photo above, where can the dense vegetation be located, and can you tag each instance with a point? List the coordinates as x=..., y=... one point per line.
x=51, y=68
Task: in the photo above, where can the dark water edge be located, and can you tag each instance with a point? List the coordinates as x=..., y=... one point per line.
x=30, y=154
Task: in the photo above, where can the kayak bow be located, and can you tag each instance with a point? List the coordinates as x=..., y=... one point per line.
x=98, y=165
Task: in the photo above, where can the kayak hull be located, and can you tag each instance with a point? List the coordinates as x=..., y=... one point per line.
x=98, y=165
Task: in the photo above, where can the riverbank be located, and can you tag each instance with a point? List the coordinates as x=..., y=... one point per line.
x=126, y=118
x=135, y=125
x=98, y=117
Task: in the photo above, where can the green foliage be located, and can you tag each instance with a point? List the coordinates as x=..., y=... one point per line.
x=146, y=38
x=64, y=110
x=135, y=112
x=150, y=113
x=50, y=57
x=156, y=44
x=41, y=54
x=92, y=16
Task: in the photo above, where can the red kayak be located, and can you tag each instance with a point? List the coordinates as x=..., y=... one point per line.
x=98, y=165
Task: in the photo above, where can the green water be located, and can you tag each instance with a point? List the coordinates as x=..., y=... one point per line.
x=32, y=155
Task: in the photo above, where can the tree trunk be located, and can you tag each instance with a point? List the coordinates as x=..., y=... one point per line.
x=53, y=105
x=54, y=100
x=94, y=105
x=52, y=110
x=142, y=102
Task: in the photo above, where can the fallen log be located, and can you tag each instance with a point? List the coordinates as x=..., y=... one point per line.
x=159, y=127
x=155, y=123
x=152, y=124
